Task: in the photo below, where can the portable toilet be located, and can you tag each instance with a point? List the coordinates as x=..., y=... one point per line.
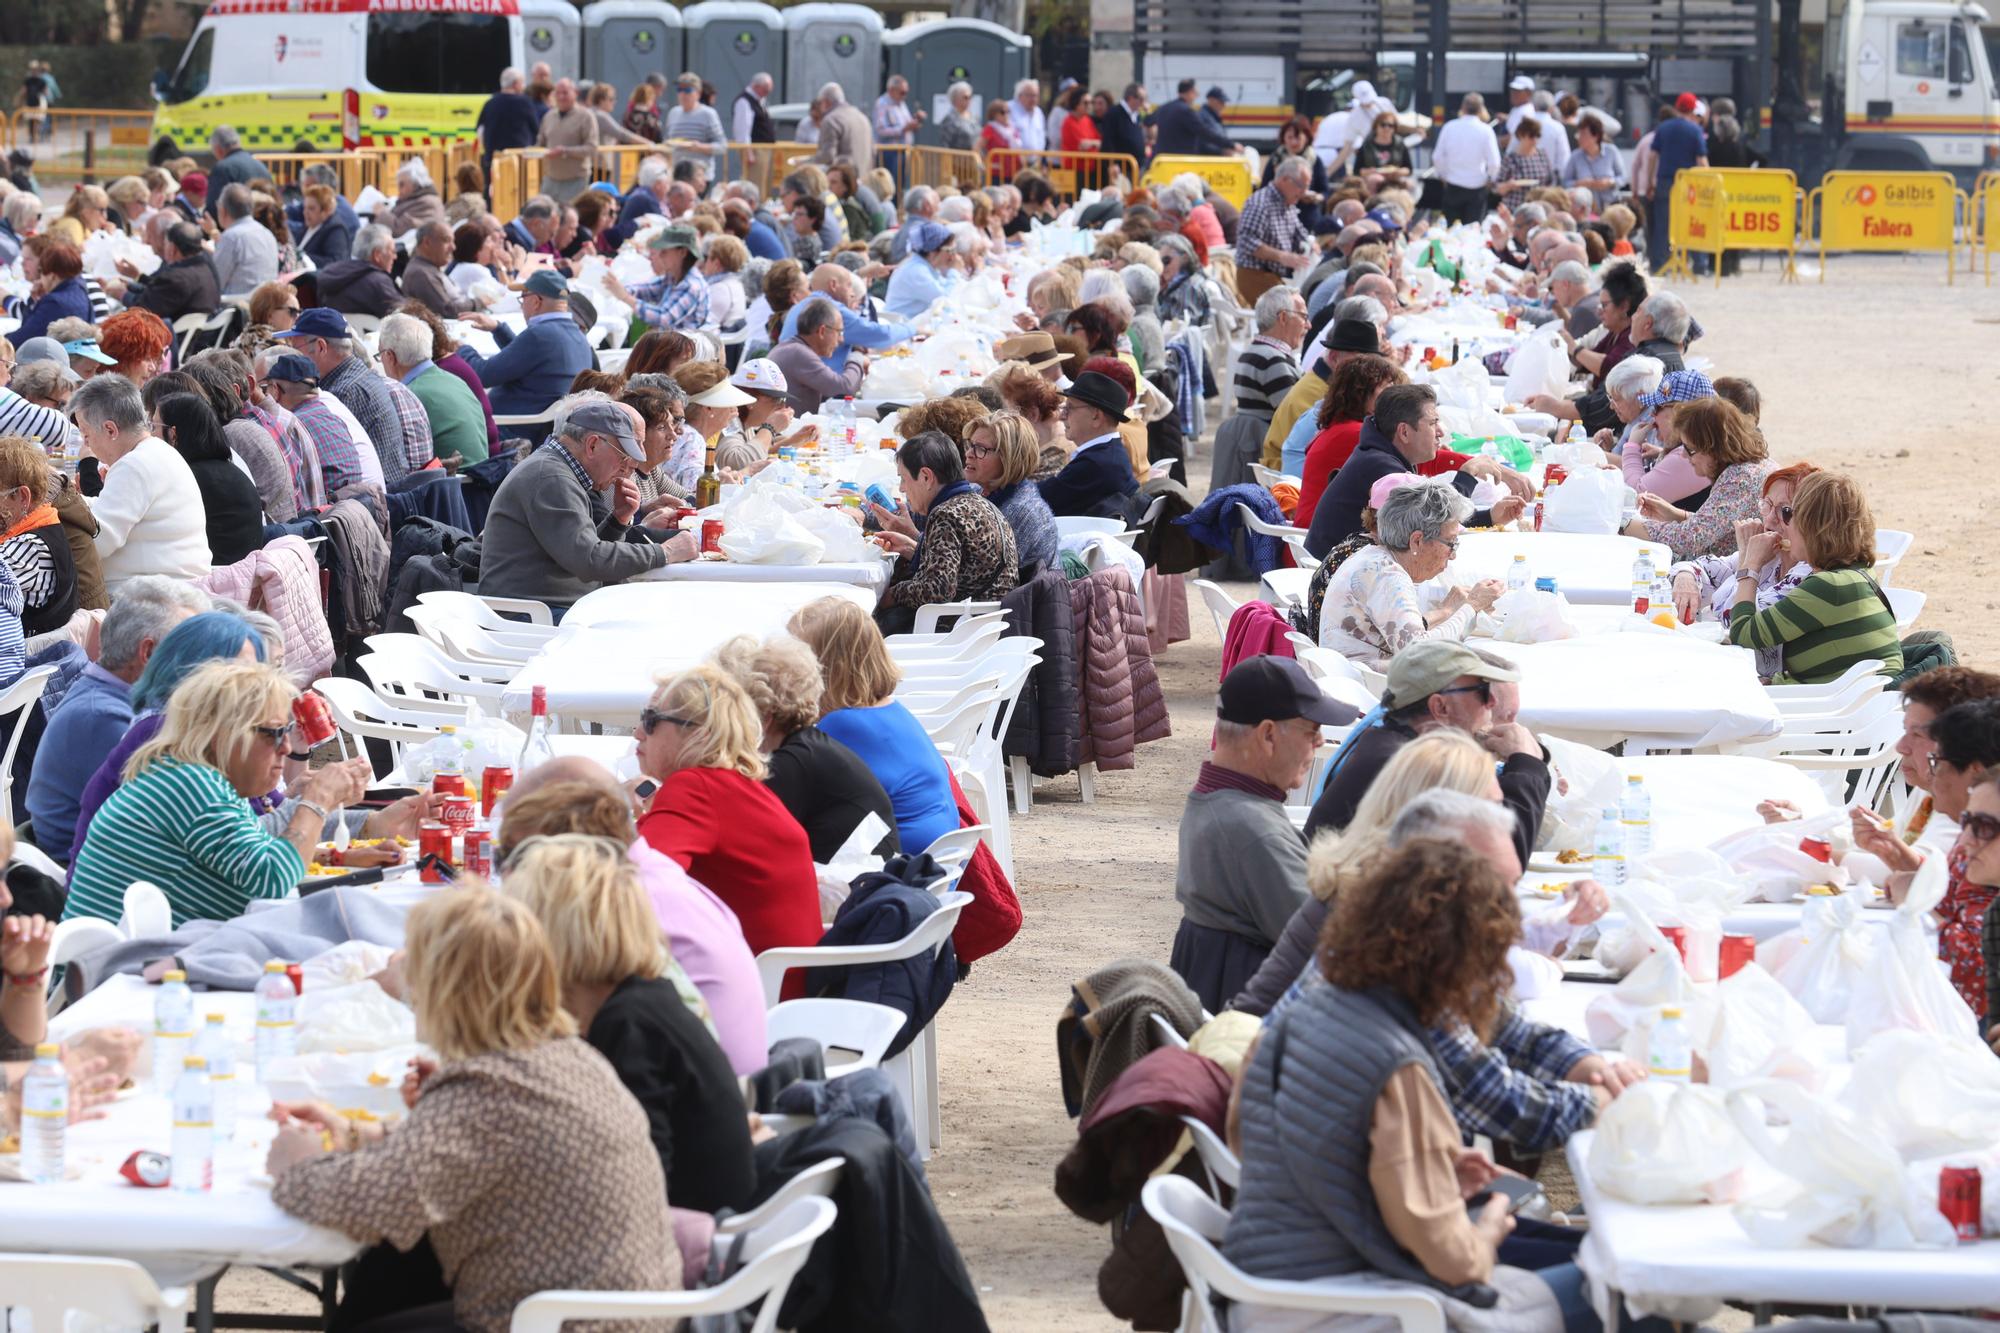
x=935, y=55
x=625, y=40
x=732, y=41
x=552, y=30
x=833, y=43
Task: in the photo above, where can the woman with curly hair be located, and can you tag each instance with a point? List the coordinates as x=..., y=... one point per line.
x=1030, y=393
x=138, y=341
x=1352, y=1160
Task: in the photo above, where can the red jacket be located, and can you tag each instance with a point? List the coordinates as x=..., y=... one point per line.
x=738, y=839
x=993, y=917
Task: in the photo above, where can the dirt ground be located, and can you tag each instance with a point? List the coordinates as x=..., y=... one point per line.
x=1883, y=371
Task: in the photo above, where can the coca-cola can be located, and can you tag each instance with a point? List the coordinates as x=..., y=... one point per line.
x=1819, y=849
x=315, y=719
x=479, y=852
x=1736, y=952
x=457, y=812
x=711, y=535
x=1958, y=1200
x=433, y=839
x=1552, y=476
x=296, y=974
x=448, y=784
x=494, y=783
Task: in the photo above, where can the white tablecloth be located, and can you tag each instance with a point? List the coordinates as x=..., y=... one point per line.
x=617, y=642
x=1604, y=688
x=871, y=576
x=175, y=1236
x=1588, y=569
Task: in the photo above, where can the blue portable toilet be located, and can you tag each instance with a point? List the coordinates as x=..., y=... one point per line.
x=625, y=40
x=833, y=43
x=729, y=42
x=935, y=55
x=552, y=30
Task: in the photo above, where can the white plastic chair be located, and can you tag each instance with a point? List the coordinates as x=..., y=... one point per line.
x=1270, y=477
x=963, y=628
x=117, y=1292
x=147, y=914
x=17, y=702
x=1849, y=697
x=1194, y=1224
x=361, y=713
x=421, y=683
x=1282, y=531
x=1891, y=545
x=856, y=1026
x=73, y=939
x=1080, y=525
x=817, y=1181
x=465, y=640
x=1852, y=756
x=1906, y=604
x=928, y=616
x=774, y=1254
x=1221, y=606
x=974, y=644
x=913, y=1070
x=428, y=649
x=1168, y=1033
x=1862, y=670
x=1216, y=1159
x=483, y=610
x=956, y=847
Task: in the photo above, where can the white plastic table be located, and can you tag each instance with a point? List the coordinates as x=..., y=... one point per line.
x=617, y=642
x=1667, y=691
x=1589, y=570
x=871, y=576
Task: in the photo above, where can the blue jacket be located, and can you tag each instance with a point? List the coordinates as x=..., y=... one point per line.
x=331, y=244
x=343, y=213
x=882, y=908
x=93, y=717
x=68, y=298
x=1182, y=130
x=1093, y=484
x=534, y=367
x=764, y=241
x=1214, y=522
x=638, y=204
x=857, y=330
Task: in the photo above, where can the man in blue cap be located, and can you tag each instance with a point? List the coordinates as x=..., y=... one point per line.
x=534, y=367
x=323, y=338
x=544, y=538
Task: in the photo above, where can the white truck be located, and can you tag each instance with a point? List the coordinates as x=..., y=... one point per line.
x=1909, y=87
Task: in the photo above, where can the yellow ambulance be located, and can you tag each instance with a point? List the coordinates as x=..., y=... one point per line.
x=337, y=74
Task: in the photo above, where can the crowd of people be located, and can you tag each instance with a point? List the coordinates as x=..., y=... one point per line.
x=138, y=483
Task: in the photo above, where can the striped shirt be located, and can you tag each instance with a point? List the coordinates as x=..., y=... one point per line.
x=416, y=424
x=1266, y=370
x=339, y=456
x=366, y=394
x=300, y=453
x=1834, y=619
x=185, y=828
x=18, y=416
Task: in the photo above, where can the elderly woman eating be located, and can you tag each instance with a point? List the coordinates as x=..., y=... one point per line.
x=1373, y=609
x=713, y=814
x=1629, y=381
x=929, y=271
x=1835, y=616
x=1725, y=448
x=503, y=1208
x=181, y=818
x=964, y=550
x=1653, y=459
x=1709, y=581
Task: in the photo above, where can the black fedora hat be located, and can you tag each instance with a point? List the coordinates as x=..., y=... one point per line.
x=1100, y=391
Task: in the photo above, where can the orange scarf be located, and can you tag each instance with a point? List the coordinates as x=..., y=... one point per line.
x=39, y=517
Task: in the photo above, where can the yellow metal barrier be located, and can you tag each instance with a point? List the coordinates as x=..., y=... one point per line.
x=514, y=178
x=1068, y=173
x=1888, y=212
x=90, y=143
x=1720, y=209
x=1985, y=226
x=1227, y=176
x=762, y=164
x=918, y=164
x=352, y=170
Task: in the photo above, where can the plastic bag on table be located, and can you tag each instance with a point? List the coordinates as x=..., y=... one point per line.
x=1464, y=385
x=361, y=1017
x=1848, y=1185
x=1934, y=1096
x=1529, y=615
x=1907, y=987
x=103, y=249
x=1539, y=367
x=1824, y=961
x=762, y=531
x=1758, y=1032
x=854, y=858
x=1768, y=855
x=345, y=964
x=1591, y=501
x=1586, y=784
x=477, y=742
x=1668, y=1143
x=367, y=1081
x=841, y=536
x=1656, y=977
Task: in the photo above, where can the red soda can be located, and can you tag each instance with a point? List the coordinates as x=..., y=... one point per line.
x=711, y=535
x=315, y=720
x=1958, y=1200
x=147, y=1170
x=1736, y=952
x=448, y=784
x=494, y=782
x=457, y=813
x=433, y=840
x=297, y=976
x=1553, y=475
x=1539, y=510
x=1678, y=937
x=1819, y=849
x=479, y=852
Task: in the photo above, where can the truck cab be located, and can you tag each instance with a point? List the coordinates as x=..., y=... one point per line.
x=1913, y=89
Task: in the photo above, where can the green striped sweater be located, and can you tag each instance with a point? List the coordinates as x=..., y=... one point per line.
x=182, y=827
x=1832, y=620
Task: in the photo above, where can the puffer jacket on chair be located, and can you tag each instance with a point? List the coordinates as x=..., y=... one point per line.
x=282, y=580
x=1120, y=705
x=1043, y=727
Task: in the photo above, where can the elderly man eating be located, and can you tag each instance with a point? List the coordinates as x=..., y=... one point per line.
x=545, y=538
x=1242, y=870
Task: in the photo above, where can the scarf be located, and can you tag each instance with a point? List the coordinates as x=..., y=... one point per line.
x=951, y=492
x=41, y=516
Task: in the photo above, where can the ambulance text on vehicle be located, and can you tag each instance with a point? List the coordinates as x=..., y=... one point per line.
x=337, y=74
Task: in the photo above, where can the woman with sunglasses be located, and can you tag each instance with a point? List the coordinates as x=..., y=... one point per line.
x=1709, y=581
x=1978, y=850
x=1374, y=605
x=181, y=818
x=713, y=814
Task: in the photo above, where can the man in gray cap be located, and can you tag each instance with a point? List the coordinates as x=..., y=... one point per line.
x=534, y=367
x=561, y=523
x=677, y=297
x=1438, y=683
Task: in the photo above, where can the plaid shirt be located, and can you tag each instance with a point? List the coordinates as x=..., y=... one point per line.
x=1268, y=220
x=1532, y=166
x=576, y=468
x=300, y=454
x=339, y=461
x=366, y=394
x=417, y=448
x=674, y=305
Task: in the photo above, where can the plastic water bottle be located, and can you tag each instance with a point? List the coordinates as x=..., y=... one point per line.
x=1670, y=1057
x=1576, y=435
x=216, y=1050
x=1518, y=576
x=173, y=1029
x=1635, y=813
x=1642, y=583
x=194, y=1128
x=1607, y=864
x=44, y=1115
x=277, y=1018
